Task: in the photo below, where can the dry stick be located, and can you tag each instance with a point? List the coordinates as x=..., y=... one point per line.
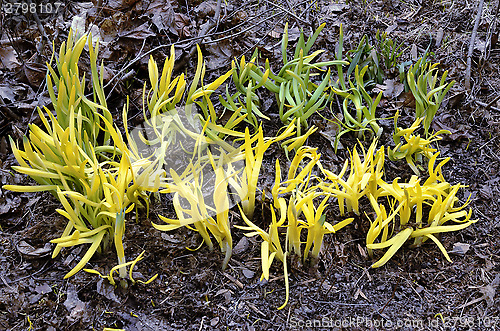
x=287, y=11
x=494, y=26
x=138, y=57
x=9, y=41
x=491, y=30
x=471, y=45
x=485, y=105
x=251, y=47
x=203, y=32
x=492, y=102
x=39, y=24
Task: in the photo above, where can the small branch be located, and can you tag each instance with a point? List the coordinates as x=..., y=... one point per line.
x=471, y=45
x=204, y=30
x=193, y=39
x=485, y=105
x=39, y=24
x=297, y=18
x=10, y=41
x=492, y=102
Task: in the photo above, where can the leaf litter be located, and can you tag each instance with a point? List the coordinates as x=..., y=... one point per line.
x=191, y=292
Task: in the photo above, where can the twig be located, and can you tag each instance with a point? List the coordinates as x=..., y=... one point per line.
x=492, y=102
x=471, y=44
x=140, y=56
x=486, y=105
x=204, y=30
x=265, y=35
x=287, y=11
x=39, y=24
x=10, y=41
x=486, y=143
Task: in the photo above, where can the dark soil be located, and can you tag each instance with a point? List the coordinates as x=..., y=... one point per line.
x=416, y=289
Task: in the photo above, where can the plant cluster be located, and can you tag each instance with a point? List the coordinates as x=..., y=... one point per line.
x=415, y=146
x=100, y=175
x=80, y=157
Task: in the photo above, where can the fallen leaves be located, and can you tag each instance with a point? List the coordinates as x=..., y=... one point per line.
x=488, y=293
x=8, y=57
x=30, y=252
x=140, y=32
x=392, y=88
x=161, y=14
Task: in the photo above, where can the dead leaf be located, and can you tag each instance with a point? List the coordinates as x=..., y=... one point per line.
x=222, y=291
x=336, y=7
x=362, y=251
x=439, y=37
x=107, y=290
x=248, y=273
x=225, y=293
x=360, y=293
x=456, y=134
x=391, y=88
x=488, y=291
x=206, y=8
x=460, y=248
x=8, y=57
x=274, y=34
x=170, y=238
x=214, y=321
x=120, y=4
x=141, y=32
x=241, y=247
x=485, y=192
x=220, y=54
x=181, y=26
x=293, y=34
x=6, y=92
x=10, y=205
x=480, y=45
x=43, y=289
x=406, y=99
x=391, y=28
x=35, y=73
x=330, y=132
x=414, y=52
x=3, y=147
x=78, y=21
x=31, y=252
x=108, y=29
x=73, y=304
x=114, y=4
x=161, y=14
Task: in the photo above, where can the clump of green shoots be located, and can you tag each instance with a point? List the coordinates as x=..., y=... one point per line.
x=80, y=157
x=415, y=146
x=428, y=91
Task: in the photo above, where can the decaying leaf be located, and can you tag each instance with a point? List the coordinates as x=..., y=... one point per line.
x=8, y=57
x=31, y=252
x=140, y=32
x=161, y=14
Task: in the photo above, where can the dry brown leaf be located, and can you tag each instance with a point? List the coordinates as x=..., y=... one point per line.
x=8, y=57
x=30, y=252
x=391, y=88
x=141, y=32
x=181, y=26
x=161, y=14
